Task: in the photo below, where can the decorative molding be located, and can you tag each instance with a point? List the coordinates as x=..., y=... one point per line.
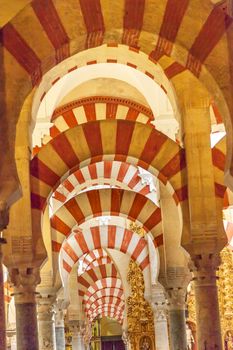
x=103, y=99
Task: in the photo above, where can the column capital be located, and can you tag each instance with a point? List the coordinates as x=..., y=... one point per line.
x=176, y=298
x=59, y=312
x=175, y=282
x=159, y=304
x=204, y=267
x=46, y=307
x=160, y=313
x=24, y=280
x=77, y=327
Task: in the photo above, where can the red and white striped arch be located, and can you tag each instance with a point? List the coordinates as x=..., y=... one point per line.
x=139, y=144
x=120, y=140
x=101, y=284
x=108, y=310
x=114, y=173
x=95, y=258
x=120, y=54
x=28, y=60
x=112, y=237
x=99, y=262
x=102, y=293
x=96, y=108
x=113, y=202
x=108, y=300
x=90, y=277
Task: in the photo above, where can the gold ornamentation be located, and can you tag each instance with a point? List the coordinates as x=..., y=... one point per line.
x=225, y=294
x=137, y=229
x=139, y=312
x=191, y=305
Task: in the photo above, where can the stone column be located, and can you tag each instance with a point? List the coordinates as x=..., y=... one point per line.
x=59, y=327
x=160, y=309
x=13, y=343
x=46, y=322
x=205, y=236
x=206, y=297
x=2, y=302
x=176, y=314
x=77, y=328
x=175, y=282
x=25, y=281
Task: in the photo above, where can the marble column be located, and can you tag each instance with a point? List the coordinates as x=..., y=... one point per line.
x=175, y=283
x=46, y=322
x=13, y=343
x=176, y=314
x=206, y=297
x=2, y=303
x=77, y=328
x=160, y=310
x=59, y=328
x=25, y=281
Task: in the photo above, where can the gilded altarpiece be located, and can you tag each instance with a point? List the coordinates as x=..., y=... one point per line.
x=225, y=284
x=225, y=297
x=139, y=313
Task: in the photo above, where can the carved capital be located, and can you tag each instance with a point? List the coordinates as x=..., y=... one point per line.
x=159, y=304
x=176, y=298
x=160, y=313
x=175, y=281
x=46, y=307
x=77, y=327
x=204, y=268
x=59, y=312
x=24, y=280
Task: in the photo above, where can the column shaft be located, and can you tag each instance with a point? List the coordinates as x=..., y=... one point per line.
x=177, y=330
x=2, y=308
x=46, y=323
x=59, y=325
x=26, y=326
x=207, y=315
x=46, y=335
x=60, y=338
x=77, y=327
x=77, y=343
x=161, y=335
x=176, y=283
